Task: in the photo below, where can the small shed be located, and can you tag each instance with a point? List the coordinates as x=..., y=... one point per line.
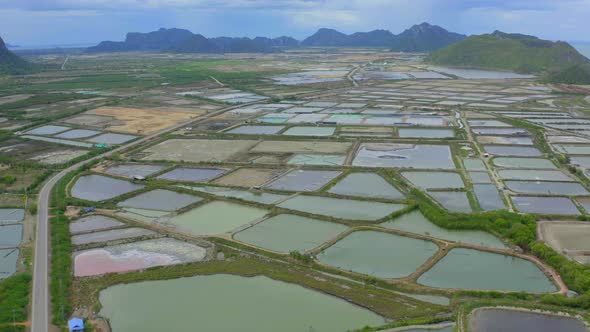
x=76, y=324
x=139, y=178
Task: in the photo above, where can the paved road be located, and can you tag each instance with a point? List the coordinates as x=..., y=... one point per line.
x=350, y=75
x=40, y=305
x=63, y=66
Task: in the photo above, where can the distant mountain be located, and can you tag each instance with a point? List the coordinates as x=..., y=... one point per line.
x=283, y=41
x=515, y=52
x=326, y=37
x=425, y=38
x=331, y=37
x=419, y=38
x=184, y=41
x=240, y=45
x=11, y=63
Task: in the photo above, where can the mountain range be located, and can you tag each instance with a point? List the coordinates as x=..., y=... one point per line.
x=419, y=38
x=184, y=41
x=11, y=63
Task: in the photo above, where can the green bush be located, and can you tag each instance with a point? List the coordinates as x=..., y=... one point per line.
x=304, y=258
x=14, y=298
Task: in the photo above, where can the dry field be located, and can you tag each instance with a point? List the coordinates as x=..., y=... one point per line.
x=301, y=147
x=197, y=150
x=249, y=177
x=567, y=237
x=133, y=120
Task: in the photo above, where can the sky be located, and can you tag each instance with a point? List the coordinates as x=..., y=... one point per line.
x=63, y=22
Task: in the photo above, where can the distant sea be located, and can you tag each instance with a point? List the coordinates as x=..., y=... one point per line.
x=583, y=48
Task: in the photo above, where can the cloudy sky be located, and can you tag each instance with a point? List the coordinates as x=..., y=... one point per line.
x=50, y=22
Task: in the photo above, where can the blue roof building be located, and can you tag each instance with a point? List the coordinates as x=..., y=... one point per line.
x=76, y=324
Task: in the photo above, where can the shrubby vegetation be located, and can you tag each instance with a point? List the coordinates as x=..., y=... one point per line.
x=14, y=298
x=570, y=75
x=61, y=260
x=520, y=230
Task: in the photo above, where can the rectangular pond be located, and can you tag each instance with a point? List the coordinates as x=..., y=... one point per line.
x=110, y=138
x=93, y=223
x=160, y=199
x=341, y=208
x=249, y=177
x=527, y=163
x=303, y=180
x=135, y=256
x=111, y=235
x=48, y=130
x=256, y=130
x=547, y=188
x=545, y=205
x=150, y=216
x=250, y=196
x=425, y=133
x=181, y=306
x=404, y=156
x=454, y=201
x=465, y=268
x=131, y=170
x=500, y=131
x=286, y=232
x=214, y=218
x=192, y=174
x=480, y=177
x=505, y=320
x=573, y=149
x=11, y=235
x=98, y=188
x=317, y=159
x=8, y=259
x=472, y=164
x=519, y=151
x=10, y=216
x=416, y=222
x=58, y=141
x=534, y=175
x=310, y=131
x=378, y=254
x=583, y=161
x=78, y=133
x=368, y=185
x=434, y=180
x=488, y=197
x=487, y=123
x=508, y=140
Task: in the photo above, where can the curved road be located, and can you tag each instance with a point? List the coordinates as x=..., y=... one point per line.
x=40, y=303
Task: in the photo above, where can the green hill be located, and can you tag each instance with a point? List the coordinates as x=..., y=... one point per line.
x=11, y=63
x=515, y=52
x=571, y=75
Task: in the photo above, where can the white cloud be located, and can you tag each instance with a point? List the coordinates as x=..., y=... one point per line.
x=153, y=4
x=323, y=18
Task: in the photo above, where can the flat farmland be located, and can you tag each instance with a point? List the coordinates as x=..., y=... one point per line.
x=133, y=120
x=197, y=150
